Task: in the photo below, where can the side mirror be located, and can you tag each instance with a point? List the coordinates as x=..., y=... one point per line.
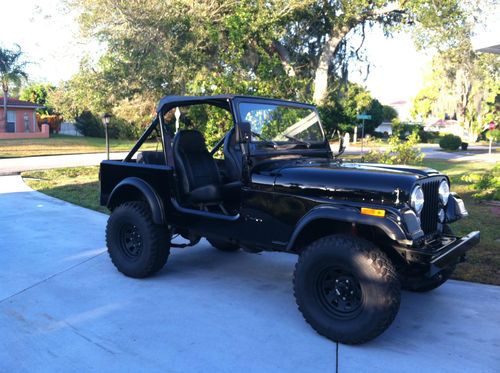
x=243, y=132
x=342, y=145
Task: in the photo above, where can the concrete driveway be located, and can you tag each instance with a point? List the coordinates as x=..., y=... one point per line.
x=63, y=307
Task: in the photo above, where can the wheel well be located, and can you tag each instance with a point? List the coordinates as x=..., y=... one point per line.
x=324, y=227
x=125, y=194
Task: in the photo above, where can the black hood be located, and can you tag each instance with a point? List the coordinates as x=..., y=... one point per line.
x=364, y=182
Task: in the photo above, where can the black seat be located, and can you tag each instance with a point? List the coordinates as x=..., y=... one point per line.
x=150, y=157
x=232, y=156
x=199, y=176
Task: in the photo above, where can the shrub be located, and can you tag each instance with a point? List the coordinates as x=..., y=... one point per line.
x=121, y=129
x=54, y=122
x=399, y=151
x=450, y=142
x=88, y=125
x=486, y=185
x=426, y=136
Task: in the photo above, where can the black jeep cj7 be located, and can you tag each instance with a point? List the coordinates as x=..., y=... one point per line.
x=362, y=231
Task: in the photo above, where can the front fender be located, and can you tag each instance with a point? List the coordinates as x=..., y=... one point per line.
x=349, y=215
x=129, y=188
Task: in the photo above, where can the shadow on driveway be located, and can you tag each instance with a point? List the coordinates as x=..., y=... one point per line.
x=65, y=307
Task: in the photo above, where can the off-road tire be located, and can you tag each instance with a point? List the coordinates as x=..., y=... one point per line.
x=417, y=281
x=136, y=245
x=375, y=285
x=223, y=245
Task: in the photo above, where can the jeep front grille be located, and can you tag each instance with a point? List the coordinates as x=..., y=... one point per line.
x=429, y=214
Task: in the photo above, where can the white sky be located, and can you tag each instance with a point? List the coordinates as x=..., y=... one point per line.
x=48, y=34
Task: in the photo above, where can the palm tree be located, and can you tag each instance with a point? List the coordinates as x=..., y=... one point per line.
x=11, y=71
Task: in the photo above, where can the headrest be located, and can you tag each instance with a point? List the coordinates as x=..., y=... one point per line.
x=191, y=141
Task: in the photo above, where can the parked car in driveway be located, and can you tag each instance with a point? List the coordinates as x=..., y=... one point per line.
x=361, y=231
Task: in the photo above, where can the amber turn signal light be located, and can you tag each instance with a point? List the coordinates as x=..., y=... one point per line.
x=373, y=212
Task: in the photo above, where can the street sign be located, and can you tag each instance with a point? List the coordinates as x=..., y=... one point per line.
x=492, y=125
x=364, y=116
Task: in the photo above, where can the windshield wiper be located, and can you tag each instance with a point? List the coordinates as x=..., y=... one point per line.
x=266, y=142
x=298, y=141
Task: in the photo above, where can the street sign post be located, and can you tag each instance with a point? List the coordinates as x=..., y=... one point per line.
x=491, y=127
x=363, y=117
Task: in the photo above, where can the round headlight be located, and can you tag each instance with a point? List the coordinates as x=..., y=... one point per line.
x=417, y=199
x=444, y=192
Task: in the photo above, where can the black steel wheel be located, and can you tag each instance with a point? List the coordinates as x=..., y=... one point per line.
x=136, y=245
x=130, y=241
x=340, y=292
x=346, y=288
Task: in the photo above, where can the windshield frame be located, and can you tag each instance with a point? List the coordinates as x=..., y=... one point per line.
x=288, y=147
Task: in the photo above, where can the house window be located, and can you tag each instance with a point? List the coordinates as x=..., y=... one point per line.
x=11, y=121
x=26, y=122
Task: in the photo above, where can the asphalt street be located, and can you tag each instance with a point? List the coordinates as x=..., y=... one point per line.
x=64, y=307
x=12, y=166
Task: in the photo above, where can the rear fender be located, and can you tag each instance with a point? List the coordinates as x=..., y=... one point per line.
x=132, y=188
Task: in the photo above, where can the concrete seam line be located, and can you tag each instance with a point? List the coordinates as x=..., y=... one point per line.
x=337, y=358
x=50, y=277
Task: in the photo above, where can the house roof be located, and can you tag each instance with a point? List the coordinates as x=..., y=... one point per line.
x=15, y=103
x=495, y=49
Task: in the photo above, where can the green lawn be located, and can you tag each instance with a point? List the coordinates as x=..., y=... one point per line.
x=81, y=186
x=78, y=185
x=62, y=144
x=483, y=263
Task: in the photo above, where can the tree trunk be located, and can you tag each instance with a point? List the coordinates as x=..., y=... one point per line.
x=336, y=36
x=284, y=58
x=321, y=74
x=3, y=123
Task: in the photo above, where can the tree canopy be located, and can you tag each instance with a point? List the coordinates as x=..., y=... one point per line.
x=283, y=48
x=38, y=93
x=463, y=85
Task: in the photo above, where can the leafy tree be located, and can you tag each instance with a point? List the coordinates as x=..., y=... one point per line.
x=464, y=84
x=287, y=47
x=389, y=113
x=11, y=72
x=38, y=94
x=295, y=49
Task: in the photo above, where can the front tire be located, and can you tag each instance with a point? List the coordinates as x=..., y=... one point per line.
x=136, y=245
x=346, y=289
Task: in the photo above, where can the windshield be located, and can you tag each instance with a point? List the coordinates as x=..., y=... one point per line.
x=280, y=124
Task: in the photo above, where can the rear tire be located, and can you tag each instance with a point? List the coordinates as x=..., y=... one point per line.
x=223, y=245
x=346, y=289
x=136, y=245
